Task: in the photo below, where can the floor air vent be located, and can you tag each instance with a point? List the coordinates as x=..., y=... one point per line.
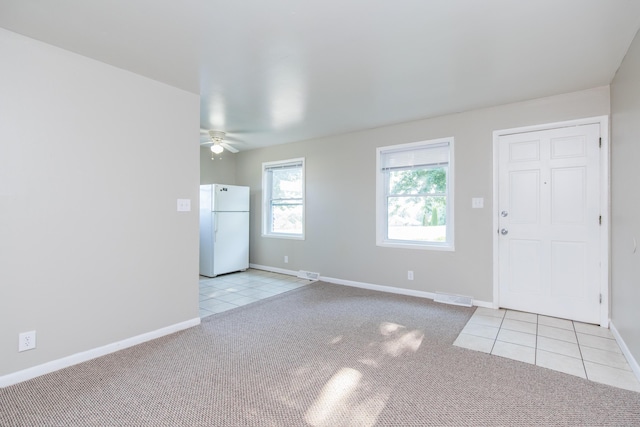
x=453, y=299
x=309, y=275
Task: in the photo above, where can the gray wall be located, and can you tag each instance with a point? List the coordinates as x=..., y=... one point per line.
x=340, y=191
x=222, y=170
x=92, y=160
x=625, y=210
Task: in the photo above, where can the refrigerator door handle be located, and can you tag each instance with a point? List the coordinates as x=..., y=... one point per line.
x=215, y=225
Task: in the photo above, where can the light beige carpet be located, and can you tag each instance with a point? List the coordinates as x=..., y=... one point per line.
x=322, y=355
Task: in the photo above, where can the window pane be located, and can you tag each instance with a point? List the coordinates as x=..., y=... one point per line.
x=286, y=218
x=417, y=218
x=418, y=181
x=283, y=199
x=287, y=183
x=414, y=195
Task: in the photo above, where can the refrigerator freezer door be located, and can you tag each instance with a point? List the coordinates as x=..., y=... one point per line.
x=230, y=198
x=231, y=242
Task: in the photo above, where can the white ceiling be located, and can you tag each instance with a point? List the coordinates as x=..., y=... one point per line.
x=278, y=71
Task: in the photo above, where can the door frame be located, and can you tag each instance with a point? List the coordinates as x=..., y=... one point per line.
x=604, y=184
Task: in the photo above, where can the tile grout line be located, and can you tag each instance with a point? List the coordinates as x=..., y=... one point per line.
x=267, y=285
x=499, y=329
x=584, y=368
x=579, y=346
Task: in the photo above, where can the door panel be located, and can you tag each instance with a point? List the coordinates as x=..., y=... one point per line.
x=568, y=267
x=524, y=196
x=524, y=257
x=568, y=198
x=524, y=151
x=573, y=146
x=549, y=244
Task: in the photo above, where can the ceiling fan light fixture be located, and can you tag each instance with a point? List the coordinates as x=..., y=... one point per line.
x=217, y=148
x=216, y=135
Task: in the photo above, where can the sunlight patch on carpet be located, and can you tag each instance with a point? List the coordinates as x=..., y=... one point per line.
x=333, y=396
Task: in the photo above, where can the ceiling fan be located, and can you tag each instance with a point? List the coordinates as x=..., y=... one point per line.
x=215, y=139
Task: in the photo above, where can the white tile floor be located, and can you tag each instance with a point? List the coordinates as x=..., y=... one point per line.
x=233, y=290
x=580, y=349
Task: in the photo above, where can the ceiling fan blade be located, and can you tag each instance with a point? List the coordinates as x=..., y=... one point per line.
x=229, y=147
x=208, y=137
x=234, y=140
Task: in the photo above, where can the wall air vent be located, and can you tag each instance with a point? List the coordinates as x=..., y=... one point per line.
x=309, y=275
x=453, y=299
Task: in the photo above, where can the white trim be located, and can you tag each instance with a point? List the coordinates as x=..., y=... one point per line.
x=370, y=286
x=605, y=194
x=431, y=246
x=484, y=304
x=605, y=211
x=74, y=359
x=633, y=363
x=274, y=269
x=266, y=205
x=381, y=213
x=392, y=290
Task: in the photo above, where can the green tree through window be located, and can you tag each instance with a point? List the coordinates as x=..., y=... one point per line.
x=417, y=204
x=414, y=198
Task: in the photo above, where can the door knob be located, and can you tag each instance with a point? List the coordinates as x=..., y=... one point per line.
x=504, y=231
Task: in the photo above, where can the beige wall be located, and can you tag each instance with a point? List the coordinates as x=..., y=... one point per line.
x=340, y=191
x=625, y=210
x=92, y=160
x=222, y=170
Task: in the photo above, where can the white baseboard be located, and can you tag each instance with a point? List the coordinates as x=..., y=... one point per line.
x=633, y=363
x=393, y=290
x=74, y=359
x=484, y=304
x=274, y=269
x=363, y=285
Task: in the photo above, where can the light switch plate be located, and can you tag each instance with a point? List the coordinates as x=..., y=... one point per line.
x=184, y=205
x=477, y=203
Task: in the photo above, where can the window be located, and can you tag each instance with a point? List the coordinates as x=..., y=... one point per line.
x=283, y=199
x=415, y=195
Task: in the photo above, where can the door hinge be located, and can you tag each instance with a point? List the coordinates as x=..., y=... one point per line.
x=600, y=298
x=600, y=220
x=600, y=143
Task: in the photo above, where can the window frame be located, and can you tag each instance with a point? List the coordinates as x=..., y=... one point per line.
x=267, y=189
x=381, y=199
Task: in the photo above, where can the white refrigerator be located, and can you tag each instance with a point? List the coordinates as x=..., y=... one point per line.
x=224, y=229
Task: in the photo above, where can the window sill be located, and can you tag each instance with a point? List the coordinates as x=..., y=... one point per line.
x=419, y=246
x=285, y=236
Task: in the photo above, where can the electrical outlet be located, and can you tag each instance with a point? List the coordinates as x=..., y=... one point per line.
x=26, y=341
x=410, y=275
x=286, y=259
x=184, y=205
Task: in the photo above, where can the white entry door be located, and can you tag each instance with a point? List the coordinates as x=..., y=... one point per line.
x=549, y=219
